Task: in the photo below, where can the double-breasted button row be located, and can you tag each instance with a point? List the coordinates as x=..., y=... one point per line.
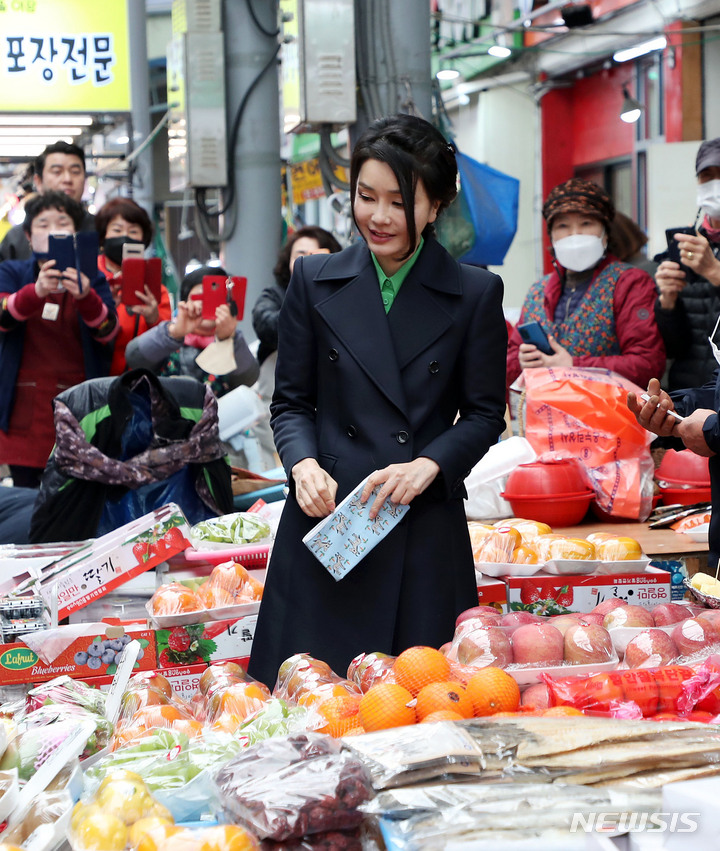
x=333, y=354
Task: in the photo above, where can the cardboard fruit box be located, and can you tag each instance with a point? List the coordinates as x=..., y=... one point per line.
x=102, y=564
x=205, y=642
x=20, y=664
x=546, y=594
x=185, y=681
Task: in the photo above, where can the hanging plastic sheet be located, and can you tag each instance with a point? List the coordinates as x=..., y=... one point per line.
x=480, y=226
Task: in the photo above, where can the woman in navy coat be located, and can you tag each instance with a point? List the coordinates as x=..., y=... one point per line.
x=391, y=362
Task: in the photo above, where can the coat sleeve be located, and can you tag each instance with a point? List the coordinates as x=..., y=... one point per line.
x=482, y=392
x=265, y=316
x=292, y=411
x=674, y=328
x=247, y=368
x=151, y=349
x=642, y=352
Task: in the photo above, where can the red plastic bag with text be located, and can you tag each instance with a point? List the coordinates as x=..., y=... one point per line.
x=583, y=412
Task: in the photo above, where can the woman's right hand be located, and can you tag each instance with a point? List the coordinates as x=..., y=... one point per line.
x=48, y=279
x=670, y=280
x=314, y=488
x=187, y=318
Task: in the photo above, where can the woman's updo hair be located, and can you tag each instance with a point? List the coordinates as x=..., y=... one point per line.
x=414, y=150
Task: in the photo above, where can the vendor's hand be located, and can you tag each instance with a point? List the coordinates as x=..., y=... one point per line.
x=225, y=322
x=149, y=307
x=690, y=431
x=401, y=483
x=530, y=357
x=48, y=279
x=670, y=280
x=696, y=253
x=653, y=415
x=314, y=488
x=70, y=281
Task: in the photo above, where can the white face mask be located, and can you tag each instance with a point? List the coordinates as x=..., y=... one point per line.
x=708, y=197
x=579, y=252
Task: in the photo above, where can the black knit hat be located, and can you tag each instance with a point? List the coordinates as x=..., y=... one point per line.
x=579, y=196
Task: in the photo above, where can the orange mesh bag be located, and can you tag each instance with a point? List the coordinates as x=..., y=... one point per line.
x=583, y=413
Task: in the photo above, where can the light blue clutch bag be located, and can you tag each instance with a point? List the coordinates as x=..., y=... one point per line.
x=341, y=540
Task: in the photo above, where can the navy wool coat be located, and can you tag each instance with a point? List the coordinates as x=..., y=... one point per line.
x=357, y=390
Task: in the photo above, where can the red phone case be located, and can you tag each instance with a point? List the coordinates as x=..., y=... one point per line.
x=213, y=295
x=133, y=278
x=136, y=274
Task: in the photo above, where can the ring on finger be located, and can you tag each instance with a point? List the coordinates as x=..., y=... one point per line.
x=689, y=254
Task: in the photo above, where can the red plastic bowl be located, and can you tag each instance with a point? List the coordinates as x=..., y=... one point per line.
x=684, y=467
x=555, y=510
x=684, y=496
x=544, y=478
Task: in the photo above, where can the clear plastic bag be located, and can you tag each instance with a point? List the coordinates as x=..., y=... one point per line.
x=287, y=788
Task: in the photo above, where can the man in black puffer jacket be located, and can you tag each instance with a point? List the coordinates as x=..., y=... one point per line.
x=687, y=310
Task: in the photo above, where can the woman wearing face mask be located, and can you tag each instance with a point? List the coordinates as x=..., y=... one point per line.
x=121, y=222
x=688, y=306
x=596, y=310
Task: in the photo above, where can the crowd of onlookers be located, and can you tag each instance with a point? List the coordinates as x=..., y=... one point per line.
x=605, y=304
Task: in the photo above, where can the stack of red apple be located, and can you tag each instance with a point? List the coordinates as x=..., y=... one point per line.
x=520, y=639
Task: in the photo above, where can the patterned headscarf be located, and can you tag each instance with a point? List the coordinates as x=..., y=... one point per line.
x=579, y=196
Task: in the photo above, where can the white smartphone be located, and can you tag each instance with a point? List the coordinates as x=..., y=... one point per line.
x=646, y=398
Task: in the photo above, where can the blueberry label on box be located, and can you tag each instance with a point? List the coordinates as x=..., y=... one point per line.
x=341, y=540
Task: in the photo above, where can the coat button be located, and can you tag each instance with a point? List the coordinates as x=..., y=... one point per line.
x=433, y=367
x=333, y=354
x=402, y=437
x=351, y=431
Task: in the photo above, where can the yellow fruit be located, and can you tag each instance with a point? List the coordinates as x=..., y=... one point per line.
x=125, y=799
x=147, y=833
x=101, y=832
x=226, y=837
x=80, y=811
x=119, y=774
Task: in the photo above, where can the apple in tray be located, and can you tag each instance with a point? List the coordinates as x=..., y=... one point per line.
x=635, y=616
x=486, y=645
x=650, y=648
x=478, y=612
x=665, y=614
x=588, y=644
x=537, y=644
x=695, y=634
x=608, y=605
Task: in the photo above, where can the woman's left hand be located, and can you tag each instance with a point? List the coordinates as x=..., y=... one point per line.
x=401, y=483
x=149, y=307
x=530, y=357
x=225, y=322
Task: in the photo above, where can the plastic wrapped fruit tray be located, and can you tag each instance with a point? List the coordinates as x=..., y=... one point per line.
x=253, y=556
x=221, y=613
x=530, y=676
x=569, y=566
x=636, y=565
x=506, y=569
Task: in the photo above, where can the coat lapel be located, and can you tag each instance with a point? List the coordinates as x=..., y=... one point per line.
x=418, y=317
x=355, y=313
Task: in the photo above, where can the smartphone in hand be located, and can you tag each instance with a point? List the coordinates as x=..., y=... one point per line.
x=534, y=333
x=674, y=250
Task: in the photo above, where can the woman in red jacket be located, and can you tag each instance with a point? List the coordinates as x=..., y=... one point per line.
x=596, y=310
x=119, y=222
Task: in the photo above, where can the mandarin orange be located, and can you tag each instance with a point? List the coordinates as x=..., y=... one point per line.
x=493, y=690
x=386, y=705
x=449, y=695
x=419, y=666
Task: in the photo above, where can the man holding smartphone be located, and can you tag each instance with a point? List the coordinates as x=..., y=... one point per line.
x=59, y=168
x=687, y=309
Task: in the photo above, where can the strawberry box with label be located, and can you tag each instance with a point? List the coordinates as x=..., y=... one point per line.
x=95, y=653
x=545, y=594
x=205, y=642
x=103, y=564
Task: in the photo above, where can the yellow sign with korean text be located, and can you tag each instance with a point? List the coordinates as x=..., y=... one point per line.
x=307, y=182
x=64, y=56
